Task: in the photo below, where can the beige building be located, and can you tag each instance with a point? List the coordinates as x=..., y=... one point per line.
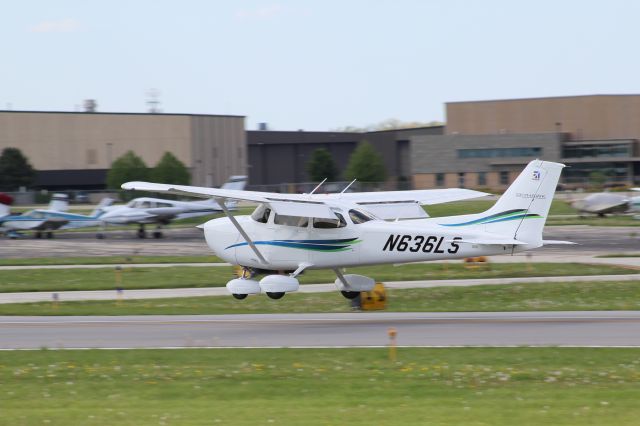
x=591, y=117
x=486, y=143
x=75, y=149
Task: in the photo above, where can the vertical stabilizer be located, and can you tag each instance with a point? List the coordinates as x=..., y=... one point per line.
x=521, y=212
x=5, y=202
x=99, y=210
x=235, y=182
x=59, y=202
x=523, y=209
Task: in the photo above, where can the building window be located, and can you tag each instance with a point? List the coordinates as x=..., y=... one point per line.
x=92, y=156
x=500, y=152
x=482, y=178
x=504, y=177
x=461, y=180
x=439, y=179
x=597, y=150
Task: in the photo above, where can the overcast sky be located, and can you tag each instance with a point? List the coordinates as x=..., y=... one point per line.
x=313, y=65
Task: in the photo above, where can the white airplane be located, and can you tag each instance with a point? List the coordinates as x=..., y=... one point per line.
x=290, y=233
x=45, y=221
x=145, y=210
x=604, y=203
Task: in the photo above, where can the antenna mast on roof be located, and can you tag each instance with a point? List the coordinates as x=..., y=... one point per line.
x=153, y=101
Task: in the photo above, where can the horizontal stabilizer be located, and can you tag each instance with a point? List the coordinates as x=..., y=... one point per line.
x=548, y=242
x=490, y=241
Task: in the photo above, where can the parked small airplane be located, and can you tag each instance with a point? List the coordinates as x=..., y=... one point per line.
x=604, y=203
x=45, y=221
x=145, y=210
x=290, y=233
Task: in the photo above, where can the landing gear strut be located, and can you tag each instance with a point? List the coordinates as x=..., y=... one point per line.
x=141, y=232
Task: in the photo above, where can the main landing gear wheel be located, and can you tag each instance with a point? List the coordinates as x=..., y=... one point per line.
x=275, y=295
x=350, y=294
x=157, y=234
x=239, y=296
x=142, y=233
x=49, y=234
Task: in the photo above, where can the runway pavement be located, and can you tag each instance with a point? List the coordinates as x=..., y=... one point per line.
x=611, y=328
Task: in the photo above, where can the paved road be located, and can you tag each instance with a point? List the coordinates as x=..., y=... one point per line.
x=69, y=296
x=616, y=328
x=189, y=241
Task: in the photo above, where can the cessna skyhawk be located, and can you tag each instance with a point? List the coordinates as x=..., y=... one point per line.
x=290, y=233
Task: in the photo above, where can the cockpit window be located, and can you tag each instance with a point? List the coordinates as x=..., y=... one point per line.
x=280, y=219
x=261, y=214
x=329, y=223
x=358, y=217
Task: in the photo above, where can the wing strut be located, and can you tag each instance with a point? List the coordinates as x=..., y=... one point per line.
x=233, y=220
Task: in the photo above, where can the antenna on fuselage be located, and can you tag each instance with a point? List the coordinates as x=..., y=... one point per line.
x=347, y=187
x=319, y=185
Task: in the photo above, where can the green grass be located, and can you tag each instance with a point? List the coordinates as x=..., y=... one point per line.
x=107, y=260
x=190, y=276
x=486, y=298
x=615, y=255
x=470, y=386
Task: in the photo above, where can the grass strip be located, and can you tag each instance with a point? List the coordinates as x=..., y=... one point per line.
x=570, y=296
x=471, y=386
x=185, y=276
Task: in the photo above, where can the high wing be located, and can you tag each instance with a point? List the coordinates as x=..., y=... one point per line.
x=406, y=204
x=315, y=205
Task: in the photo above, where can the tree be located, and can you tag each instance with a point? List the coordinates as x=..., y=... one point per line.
x=366, y=165
x=389, y=124
x=321, y=166
x=126, y=168
x=171, y=170
x=15, y=170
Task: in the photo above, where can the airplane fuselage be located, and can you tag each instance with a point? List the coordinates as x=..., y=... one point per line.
x=372, y=242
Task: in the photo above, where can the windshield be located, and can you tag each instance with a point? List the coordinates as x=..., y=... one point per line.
x=261, y=214
x=358, y=216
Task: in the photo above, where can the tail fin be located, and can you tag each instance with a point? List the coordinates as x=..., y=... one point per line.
x=235, y=182
x=520, y=213
x=99, y=210
x=5, y=202
x=59, y=202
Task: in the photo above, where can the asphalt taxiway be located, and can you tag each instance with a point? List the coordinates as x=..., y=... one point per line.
x=603, y=328
x=189, y=241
